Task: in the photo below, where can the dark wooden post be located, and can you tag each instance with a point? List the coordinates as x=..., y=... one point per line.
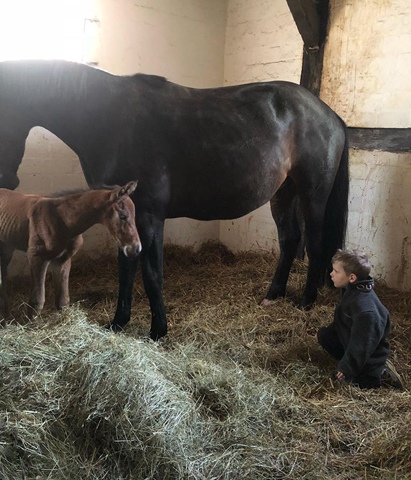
x=311, y=18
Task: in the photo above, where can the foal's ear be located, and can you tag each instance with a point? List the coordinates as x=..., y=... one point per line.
x=128, y=189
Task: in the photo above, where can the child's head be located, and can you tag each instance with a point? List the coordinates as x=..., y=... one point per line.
x=349, y=266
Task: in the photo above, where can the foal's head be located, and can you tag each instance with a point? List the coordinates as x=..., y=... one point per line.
x=120, y=219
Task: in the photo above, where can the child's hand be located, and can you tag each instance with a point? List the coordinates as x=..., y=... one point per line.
x=340, y=376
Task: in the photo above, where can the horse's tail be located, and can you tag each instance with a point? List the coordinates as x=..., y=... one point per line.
x=336, y=212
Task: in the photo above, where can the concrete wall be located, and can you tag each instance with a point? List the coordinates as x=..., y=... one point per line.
x=262, y=44
x=367, y=80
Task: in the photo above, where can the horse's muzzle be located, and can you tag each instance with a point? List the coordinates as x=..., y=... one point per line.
x=132, y=250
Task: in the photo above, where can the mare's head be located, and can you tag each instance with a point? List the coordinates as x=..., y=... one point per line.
x=119, y=219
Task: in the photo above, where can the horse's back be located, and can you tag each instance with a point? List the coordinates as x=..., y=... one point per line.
x=227, y=150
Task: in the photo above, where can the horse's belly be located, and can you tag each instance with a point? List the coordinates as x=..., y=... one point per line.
x=227, y=202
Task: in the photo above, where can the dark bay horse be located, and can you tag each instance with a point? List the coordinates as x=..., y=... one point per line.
x=205, y=154
x=49, y=229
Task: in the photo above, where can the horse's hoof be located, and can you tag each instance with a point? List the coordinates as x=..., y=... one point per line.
x=114, y=327
x=305, y=307
x=265, y=302
x=157, y=335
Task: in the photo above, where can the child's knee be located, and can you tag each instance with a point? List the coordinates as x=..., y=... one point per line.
x=322, y=336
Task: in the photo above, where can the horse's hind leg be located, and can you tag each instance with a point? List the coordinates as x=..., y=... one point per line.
x=284, y=206
x=313, y=208
x=6, y=254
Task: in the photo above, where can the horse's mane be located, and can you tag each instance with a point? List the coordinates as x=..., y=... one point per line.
x=32, y=79
x=67, y=193
x=77, y=191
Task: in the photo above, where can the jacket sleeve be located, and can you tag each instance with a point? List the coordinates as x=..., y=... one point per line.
x=366, y=333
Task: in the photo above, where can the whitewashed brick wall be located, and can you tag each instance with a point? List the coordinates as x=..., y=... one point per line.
x=367, y=80
x=262, y=44
x=180, y=39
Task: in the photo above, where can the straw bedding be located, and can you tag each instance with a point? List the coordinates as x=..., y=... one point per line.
x=235, y=391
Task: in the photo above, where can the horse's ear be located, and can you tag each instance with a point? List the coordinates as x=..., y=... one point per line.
x=128, y=189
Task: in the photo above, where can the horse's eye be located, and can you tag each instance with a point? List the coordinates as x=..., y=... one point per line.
x=122, y=216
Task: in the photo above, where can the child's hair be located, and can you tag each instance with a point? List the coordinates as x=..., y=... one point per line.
x=353, y=261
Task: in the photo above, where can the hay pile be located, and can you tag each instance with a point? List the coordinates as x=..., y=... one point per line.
x=235, y=391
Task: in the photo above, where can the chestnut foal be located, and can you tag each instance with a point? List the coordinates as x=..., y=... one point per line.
x=49, y=229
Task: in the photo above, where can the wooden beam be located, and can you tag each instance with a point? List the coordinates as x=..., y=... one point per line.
x=312, y=68
x=307, y=20
x=395, y=140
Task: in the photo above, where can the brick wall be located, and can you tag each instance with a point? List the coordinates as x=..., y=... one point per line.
x=262, y=44
x=180, y=39
x=367, y=80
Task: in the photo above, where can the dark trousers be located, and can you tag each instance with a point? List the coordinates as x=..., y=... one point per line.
x=329, y=340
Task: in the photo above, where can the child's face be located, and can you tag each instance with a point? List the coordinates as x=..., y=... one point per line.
x=339, y=277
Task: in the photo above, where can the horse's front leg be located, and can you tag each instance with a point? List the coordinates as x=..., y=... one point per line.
x=60, y=268
x=38, y=269
x=126, y=272
x=6, y=254
x=151, y=229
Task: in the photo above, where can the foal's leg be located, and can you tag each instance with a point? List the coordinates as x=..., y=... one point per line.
x=60, y=268
x=6, y=254
x=38, y=269
x=284, y=209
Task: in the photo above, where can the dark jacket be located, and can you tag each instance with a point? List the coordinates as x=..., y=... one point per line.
x=363, y=325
